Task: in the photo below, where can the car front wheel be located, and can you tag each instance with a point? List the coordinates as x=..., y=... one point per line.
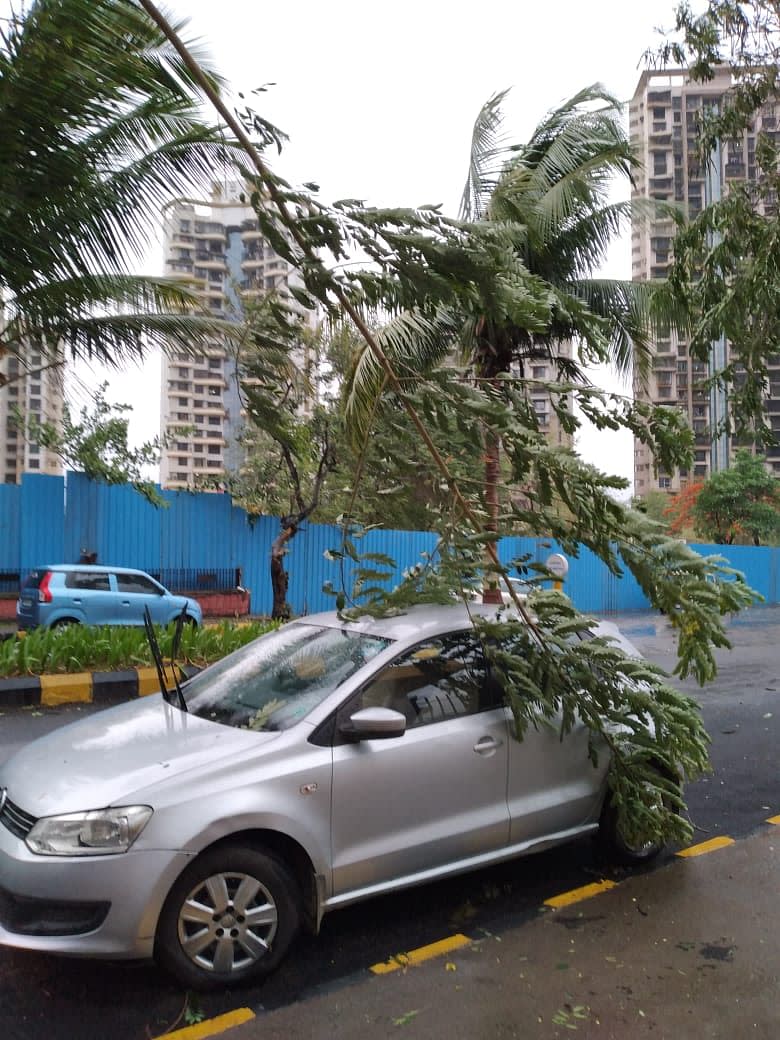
x=230, y=918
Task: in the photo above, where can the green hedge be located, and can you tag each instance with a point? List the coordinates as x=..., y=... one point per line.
x=77, y=648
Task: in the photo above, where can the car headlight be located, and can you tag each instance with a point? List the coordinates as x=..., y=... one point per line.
x=97, y=833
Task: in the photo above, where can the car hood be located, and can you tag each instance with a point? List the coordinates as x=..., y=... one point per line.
x=101, y=760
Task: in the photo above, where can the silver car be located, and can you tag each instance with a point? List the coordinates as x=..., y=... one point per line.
x=320, y=765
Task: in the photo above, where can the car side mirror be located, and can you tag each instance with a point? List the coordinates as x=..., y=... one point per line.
x=374, y=724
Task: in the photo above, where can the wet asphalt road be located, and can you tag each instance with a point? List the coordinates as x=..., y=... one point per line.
x=48, y=997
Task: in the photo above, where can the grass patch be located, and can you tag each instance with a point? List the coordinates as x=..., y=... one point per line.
x=85, y=649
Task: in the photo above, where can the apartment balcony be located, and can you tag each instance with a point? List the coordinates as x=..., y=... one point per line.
x=203, y=406
x=212, y=261
x=662, y=362
x=734, y=171
x=252, y=263
x=660, y=136
x=179, y=267
x=210, y=436
x=209, y=233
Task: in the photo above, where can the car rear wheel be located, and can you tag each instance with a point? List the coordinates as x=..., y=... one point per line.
x=63, y=622
x=230, y=918
x=614, y=843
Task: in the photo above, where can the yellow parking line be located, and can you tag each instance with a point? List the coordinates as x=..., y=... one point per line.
x=775, y=820
x=66, y=689
x=706, y=846
x=422, y=953
x=212, y=1026
x=575, y=895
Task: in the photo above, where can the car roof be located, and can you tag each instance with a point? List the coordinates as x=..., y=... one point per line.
x=91, y=567
x=422, y=621
x=427, y=620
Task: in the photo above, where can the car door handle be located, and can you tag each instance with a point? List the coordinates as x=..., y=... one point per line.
x=487, y=746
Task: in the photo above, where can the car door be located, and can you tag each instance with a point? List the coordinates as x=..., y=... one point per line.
x=88, y=594
x=553, y=785
x=437, y=794
x=137, y=591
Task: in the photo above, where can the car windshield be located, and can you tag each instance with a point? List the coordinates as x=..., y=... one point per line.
x=275, y=681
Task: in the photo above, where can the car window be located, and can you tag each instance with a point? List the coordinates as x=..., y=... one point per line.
x=275, y=681
x=94, y=581
x=137, y=583
x=436, y=680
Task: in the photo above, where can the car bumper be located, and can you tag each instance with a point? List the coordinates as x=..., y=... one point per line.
x=117, y=898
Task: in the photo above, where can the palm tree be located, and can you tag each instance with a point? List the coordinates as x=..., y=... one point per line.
x=101, y=126
x=549, y=198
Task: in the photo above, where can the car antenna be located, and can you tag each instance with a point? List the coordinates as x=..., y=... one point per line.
x=154, y=646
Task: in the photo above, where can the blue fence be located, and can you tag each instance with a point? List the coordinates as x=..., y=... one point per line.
x=54, y=520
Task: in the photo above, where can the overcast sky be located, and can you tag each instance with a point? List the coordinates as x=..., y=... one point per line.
x=379, y=99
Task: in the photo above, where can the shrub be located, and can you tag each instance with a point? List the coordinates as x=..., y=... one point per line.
x=77, y=648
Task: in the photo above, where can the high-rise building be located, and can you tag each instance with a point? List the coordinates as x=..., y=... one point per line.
x=663, y=115
x=217, y=247
x=34, y=390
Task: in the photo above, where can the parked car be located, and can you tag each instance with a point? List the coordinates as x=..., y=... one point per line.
x=322, y=764
x=520, y=587
x=86, y=594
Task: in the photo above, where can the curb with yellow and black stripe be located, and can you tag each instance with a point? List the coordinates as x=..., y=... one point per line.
x=80, y=688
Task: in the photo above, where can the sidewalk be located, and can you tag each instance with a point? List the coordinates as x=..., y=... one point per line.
x=691, y=951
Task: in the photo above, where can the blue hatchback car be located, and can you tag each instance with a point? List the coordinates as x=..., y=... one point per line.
x=86, y=594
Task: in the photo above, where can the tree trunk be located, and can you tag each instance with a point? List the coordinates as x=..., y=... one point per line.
x=279, y=577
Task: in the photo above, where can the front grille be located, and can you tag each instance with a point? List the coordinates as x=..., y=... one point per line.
x=16, y=820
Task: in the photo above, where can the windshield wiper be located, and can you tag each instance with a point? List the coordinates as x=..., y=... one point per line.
x=154, y=646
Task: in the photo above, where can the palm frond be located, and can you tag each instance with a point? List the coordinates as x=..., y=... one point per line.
x=414, y=343
x=634, y=316
x=487, y=148
x=582, y=244
x=101, y=124
x=80, y=316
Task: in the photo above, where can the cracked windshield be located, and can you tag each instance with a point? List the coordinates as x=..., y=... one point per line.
x=275, y=683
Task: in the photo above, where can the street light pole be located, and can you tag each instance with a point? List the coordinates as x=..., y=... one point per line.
x=719, y=442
